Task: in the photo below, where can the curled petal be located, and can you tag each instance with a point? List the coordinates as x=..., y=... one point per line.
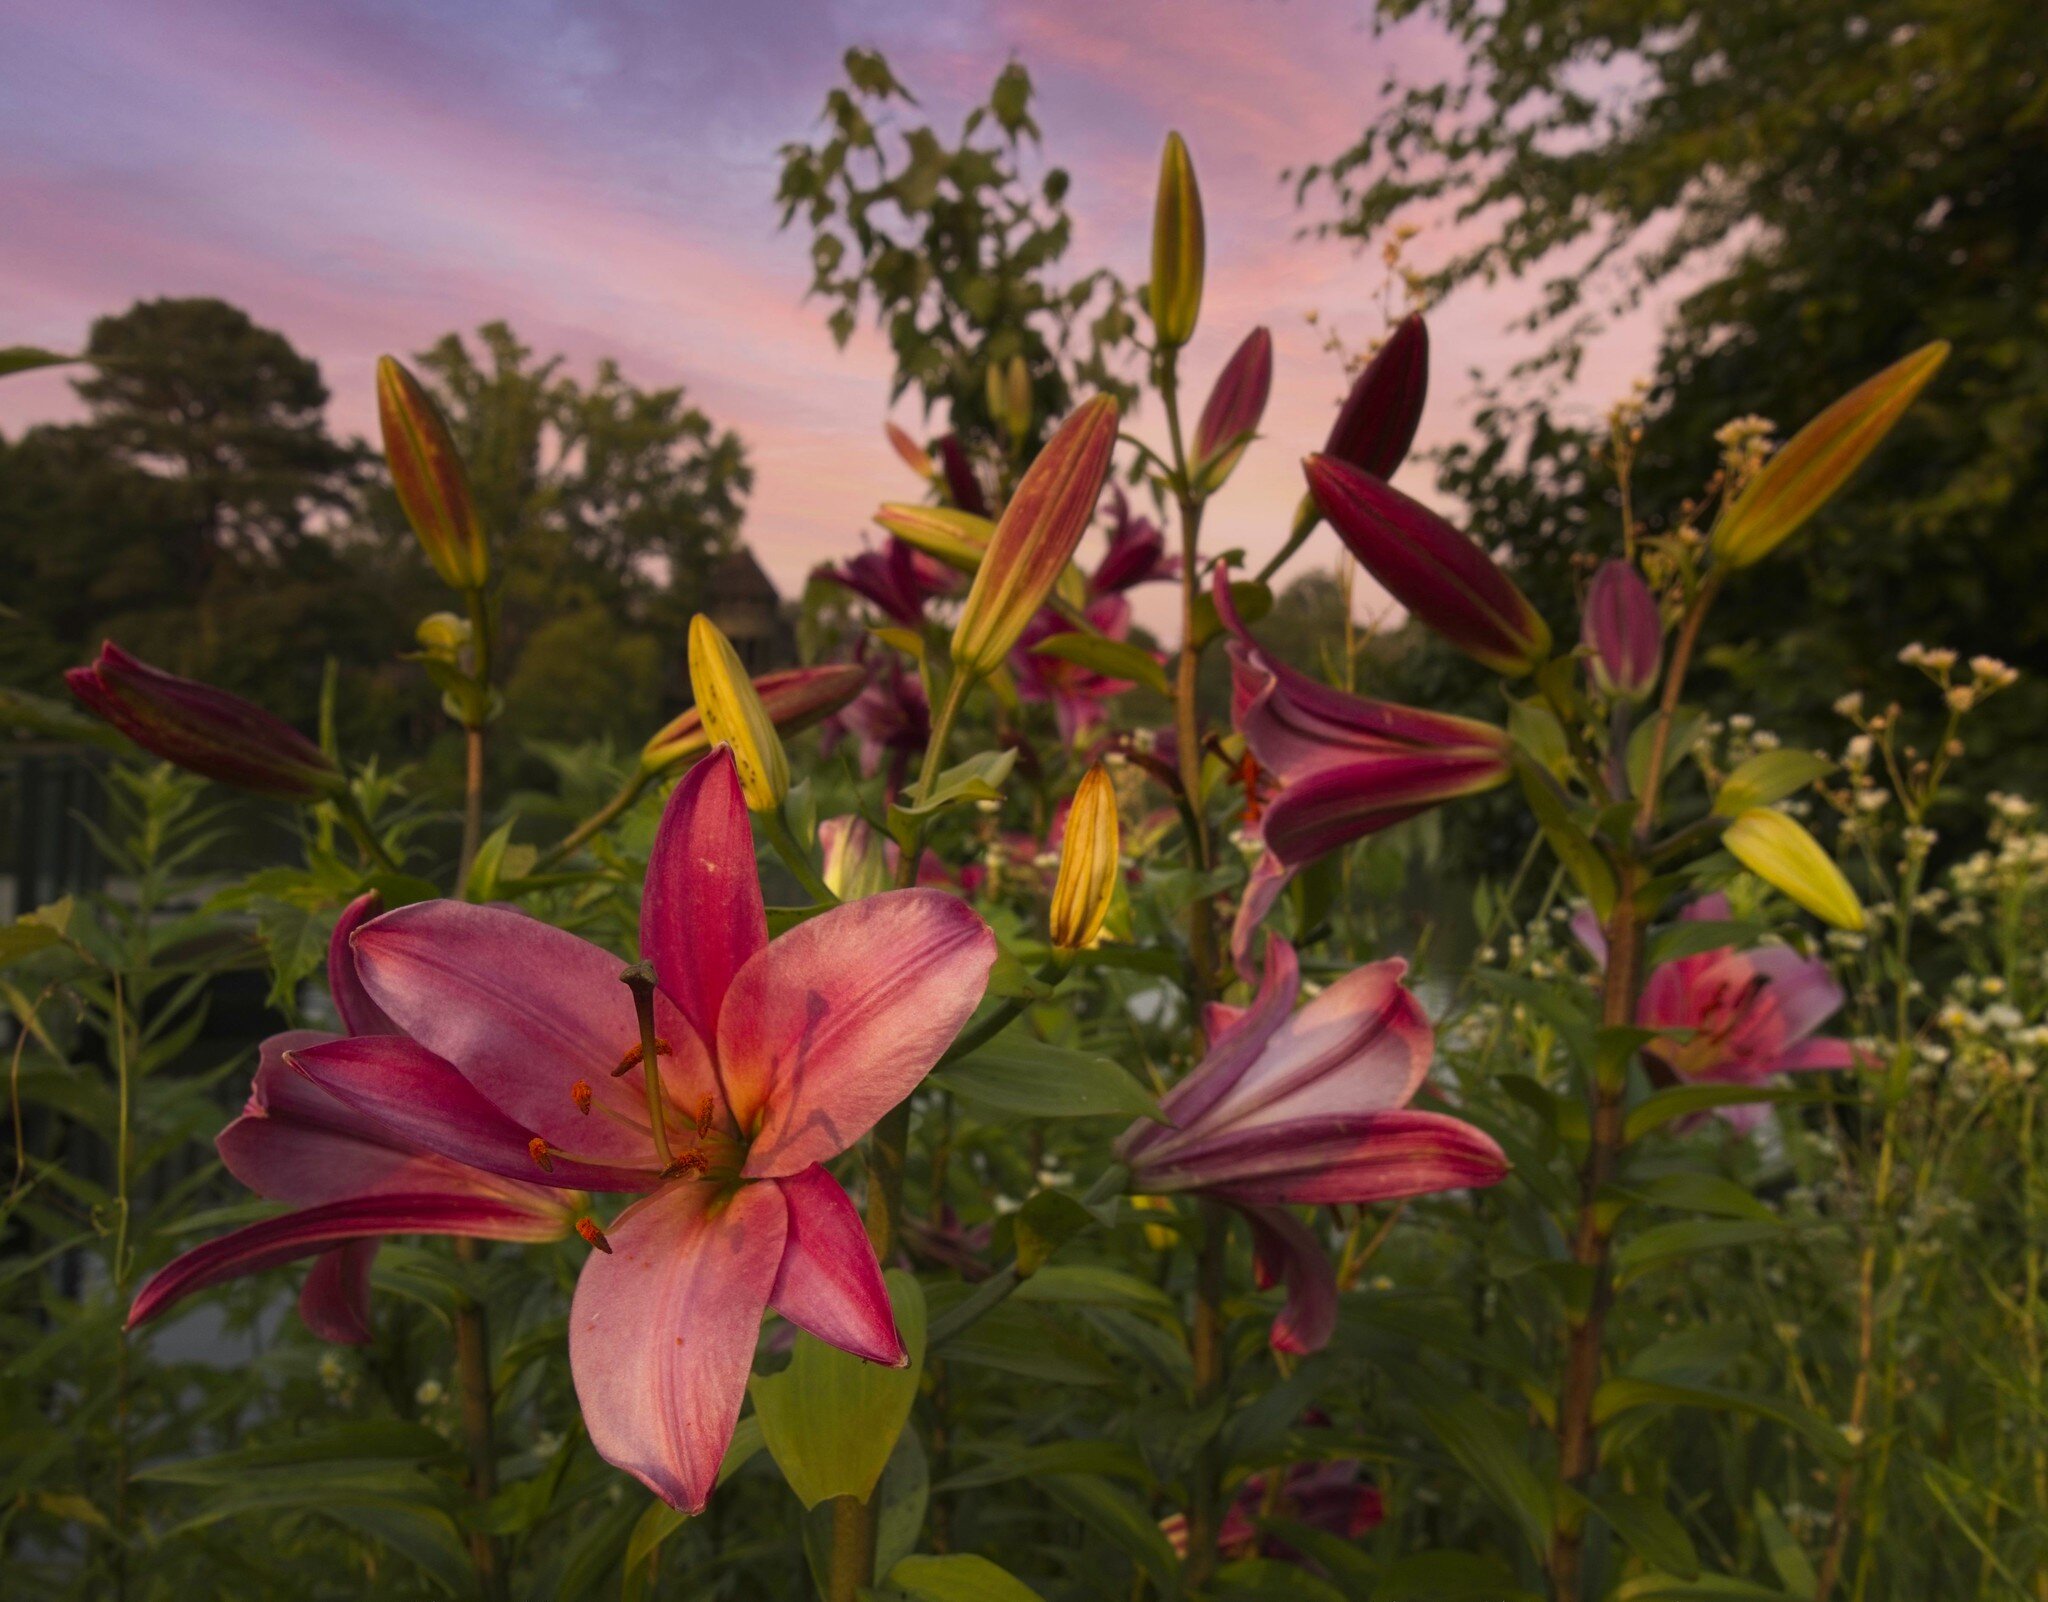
x=663, y=1327
x=840, y=1018
x=1366, y=1157
x=1315, y=815
x=334, y=1303
x=1286, y=1251
x=829, y=1282
x=259, y=1246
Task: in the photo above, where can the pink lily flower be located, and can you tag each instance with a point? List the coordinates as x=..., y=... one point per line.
x=352, y=1178
x=1751, y=1014
x=772, y=1058
x=889, y=721
x=1136, y=554
x=1345, y=766
x=1308, y=1107
x=1077, y=694
x=897, y=579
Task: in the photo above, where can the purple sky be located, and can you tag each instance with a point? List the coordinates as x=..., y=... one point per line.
x=368, y=176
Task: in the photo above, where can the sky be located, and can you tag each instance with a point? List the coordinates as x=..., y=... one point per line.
x=367, y=176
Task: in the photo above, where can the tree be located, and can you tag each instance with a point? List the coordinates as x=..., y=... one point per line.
x=955, y=253
x=1855, y=177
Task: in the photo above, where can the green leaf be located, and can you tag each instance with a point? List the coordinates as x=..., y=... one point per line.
x=1259, y=1579
x=1682, y=1101
x=1447, y=1577
x=1650, y=1531
x=1045, y=1223
x=830, y=1419
x=900, y=1502
x=1014, y=1073
x=1767, y=777
x=1688, y=1238
x=660, y=1521
x=1025, y=1342
x=1117, y=659
x=1618, y=1395
x=1581, y=858
x=1690, y=936
x=27, y=358
x=1093, y=1284
x=1787, y=1558
x=1534, y=727
x=959, y=1577
x=1484, y=1445
x=1114, y=1515
x=979, y=778
x=1005, y=1463
x=1685, y=732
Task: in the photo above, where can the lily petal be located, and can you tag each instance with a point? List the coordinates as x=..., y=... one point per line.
x=841, y=1018
x=524, y=1011
x=335, y=1301
x=1286, y=1251
x=1367, y=1157
x=701, y=916
x=829, y=1282
x=406, y=1089
x=663, y=1328
x=273, y=1241
x=358, y=1013
x=1329, y=808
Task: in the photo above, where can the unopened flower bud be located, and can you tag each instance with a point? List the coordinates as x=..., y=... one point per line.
x=1086, y=885
x=1233, y=411
x=733, y=715
x=914, y=455
x=442, y=634
x=1175, y=293
x=427, y=473
x=204, y=730
x=855, y=859
x=796, y=698
x=1782, y=854
x=1035, y=540
x=1622, y=633
x=1009, y=396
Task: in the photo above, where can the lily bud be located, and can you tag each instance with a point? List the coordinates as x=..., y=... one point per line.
x=1797, y=482
x=1782, y=854
x=1377, y=422
x=915, y=456
x=1232, y=412
x=957, y=538
x=733, y=715
x=1035, y=540
x=204, y=730
x=1448, y=583
x=1009, y=396
x=1622, y=633
x=1088, y=864
x=428, y=475
x=796, y=698
x=1175, y=293
x=963, y=489
x=855, y=859
x=442, y=635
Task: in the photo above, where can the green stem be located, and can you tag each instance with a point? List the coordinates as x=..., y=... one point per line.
x=994, y=1290
x=350, y=811
x=851, y=1568
x=1306, y=519
x=602, y=818
x=1054, y=970
x=776, y=827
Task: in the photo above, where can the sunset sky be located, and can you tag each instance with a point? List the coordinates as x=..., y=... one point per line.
x=367, y=176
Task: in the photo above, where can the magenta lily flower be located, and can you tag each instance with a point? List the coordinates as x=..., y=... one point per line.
x=772, y=1058
x=963, y=485
x=1077, y=694
x=1136, y=554
x=1334, y=1497
x=1308, y=1107
x=1622, y=633
x=889, y=721
x=1739, y=1017
x=352, y=1178
x=1345, y=766
x=208, y=731
x=897, y=579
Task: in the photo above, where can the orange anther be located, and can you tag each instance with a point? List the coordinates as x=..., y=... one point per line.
x=580, y=1094
x=537, y=1149
x=587, y=1228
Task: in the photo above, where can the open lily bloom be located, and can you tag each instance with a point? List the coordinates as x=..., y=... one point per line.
x=353, y=1178
x=1136, y=553
x=1308, y=1106
x=1077, y=693
x=772, y=1058
x=1737, y=1017
x=897, y=579
x=1345, y=766
x=890, y=720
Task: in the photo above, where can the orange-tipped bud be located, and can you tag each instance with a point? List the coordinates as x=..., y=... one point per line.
x=427, y=473
x=1050, y=511
x=1088, y=864
x=915, y=456
x=587, y=1228
x=1178, y=247
x=580, y=1094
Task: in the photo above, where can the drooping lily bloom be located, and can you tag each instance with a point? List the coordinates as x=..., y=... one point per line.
x=1345, y=766
x=1308, y=1107
x=889, y=721
x=1446, y=581
x=207, y=731
x=1136, y=554
x=1751, y=1014
x=1077, y=693
x=1621, y=632
x=897, y=579
x=771, y=1058
x=354, y=1179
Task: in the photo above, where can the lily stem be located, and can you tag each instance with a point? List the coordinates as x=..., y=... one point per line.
x=996, y=1289
x=776, y=827
x=602, y=818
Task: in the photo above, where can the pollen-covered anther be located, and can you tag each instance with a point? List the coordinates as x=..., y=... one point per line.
x=707, y=1114
x=537, y=1149
x=689, y=1162
x=632, y=1058
x=579, y=1093
x=587, y=1228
